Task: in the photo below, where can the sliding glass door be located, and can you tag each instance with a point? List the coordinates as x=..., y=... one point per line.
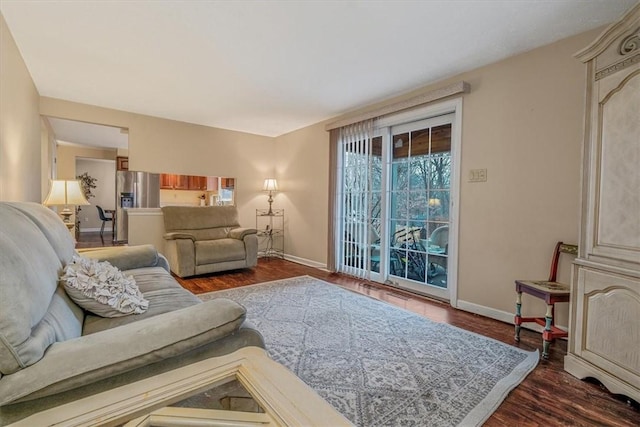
x=395, y=203
x=419, y=196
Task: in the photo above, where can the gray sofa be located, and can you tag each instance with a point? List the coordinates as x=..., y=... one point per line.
x=52, y=351
x=207, y=239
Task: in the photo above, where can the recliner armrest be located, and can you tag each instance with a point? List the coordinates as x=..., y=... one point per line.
x=174, y=236
x=239, y=233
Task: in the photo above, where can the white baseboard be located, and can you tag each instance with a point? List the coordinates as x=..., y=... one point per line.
x=503, y=316
x=84, y=230
x=304, y=261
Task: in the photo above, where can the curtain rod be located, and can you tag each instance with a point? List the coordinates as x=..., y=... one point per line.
x=433, y=95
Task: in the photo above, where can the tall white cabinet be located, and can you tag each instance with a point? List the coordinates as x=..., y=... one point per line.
x=604, y=330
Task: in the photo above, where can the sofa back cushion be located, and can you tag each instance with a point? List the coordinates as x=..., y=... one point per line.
x=203, y=222
x=34, y=313
x=52, y=227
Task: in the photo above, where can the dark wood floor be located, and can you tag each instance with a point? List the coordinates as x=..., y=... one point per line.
x=547, y=397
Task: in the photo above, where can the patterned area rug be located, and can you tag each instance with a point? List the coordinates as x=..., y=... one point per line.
x=380, y=365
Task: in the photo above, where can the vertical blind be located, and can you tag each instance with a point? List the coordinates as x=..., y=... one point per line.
x=353, y=199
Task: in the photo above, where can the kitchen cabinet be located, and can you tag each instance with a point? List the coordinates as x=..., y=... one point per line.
x=228, y=183
x=166, y=181
x=122, y=163
x=181, y=182
x=197, y=183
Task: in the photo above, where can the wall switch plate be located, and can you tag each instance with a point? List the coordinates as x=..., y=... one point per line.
x=478, y=175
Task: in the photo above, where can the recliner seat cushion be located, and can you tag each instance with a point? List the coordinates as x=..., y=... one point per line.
x=221, y=250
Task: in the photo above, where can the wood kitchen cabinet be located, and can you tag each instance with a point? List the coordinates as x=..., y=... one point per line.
x=166, y=181
x=228, y=183
x=181, y=182
x=197, y=183
x=122, y=163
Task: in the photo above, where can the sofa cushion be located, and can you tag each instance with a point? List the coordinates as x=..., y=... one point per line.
x=29, y=269
x=80, y=361
x=161, y=290
x=101, y=288
x=221, y=250
x=127, y=257
x=55, y=231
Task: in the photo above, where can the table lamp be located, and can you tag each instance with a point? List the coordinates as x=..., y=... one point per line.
x=270, y=185
x=65, y=193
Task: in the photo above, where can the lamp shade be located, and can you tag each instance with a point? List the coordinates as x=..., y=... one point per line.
x=65, y=192
x=270, y=184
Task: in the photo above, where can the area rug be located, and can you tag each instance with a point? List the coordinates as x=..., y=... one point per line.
x=377, y=364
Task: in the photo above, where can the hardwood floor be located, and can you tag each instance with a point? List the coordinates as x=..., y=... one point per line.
x=92, y=239
x=549, y=396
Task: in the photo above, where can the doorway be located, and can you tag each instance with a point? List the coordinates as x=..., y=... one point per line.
x=397, y=200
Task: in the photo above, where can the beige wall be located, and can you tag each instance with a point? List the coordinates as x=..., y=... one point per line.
x=48, y=154
x=160, y=145
x=302, y=172
x=104, y=171
x=523, y=122
x=20, y=137
x=68, y=154
x=66, y=158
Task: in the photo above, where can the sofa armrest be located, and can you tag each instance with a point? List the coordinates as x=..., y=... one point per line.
x=126, y=257
x=174, y=236
x=239, y=233
x=80, y=361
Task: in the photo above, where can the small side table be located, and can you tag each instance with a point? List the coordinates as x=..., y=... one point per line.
x=270, y=226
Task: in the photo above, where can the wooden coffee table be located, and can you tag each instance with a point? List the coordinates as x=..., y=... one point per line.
x=279, y=398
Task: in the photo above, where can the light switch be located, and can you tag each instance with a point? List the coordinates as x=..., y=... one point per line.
x=478, y=175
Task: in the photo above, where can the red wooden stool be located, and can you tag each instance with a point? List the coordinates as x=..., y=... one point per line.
x=551, y=292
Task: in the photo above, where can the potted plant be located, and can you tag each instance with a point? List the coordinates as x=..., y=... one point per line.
x=87, y=183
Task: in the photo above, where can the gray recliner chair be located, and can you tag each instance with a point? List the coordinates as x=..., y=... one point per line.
x=208, y=239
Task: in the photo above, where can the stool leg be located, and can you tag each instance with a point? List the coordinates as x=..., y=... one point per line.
x=518, y=319
x=546, y=341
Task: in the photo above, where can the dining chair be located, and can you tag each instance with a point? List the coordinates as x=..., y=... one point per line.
x=104, y=219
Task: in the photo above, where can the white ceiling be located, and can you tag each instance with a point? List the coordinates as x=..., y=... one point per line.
x=270, y=67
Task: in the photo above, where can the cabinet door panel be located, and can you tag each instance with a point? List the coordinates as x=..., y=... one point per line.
x=618, y=227
x=197, y=182
x=607, y=333
x=181, y=182
x=166, y=181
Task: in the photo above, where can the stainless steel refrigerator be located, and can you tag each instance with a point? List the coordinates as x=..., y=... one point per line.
x=134, y=190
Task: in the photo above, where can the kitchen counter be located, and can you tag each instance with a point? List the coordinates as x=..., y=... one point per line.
x=146, y=226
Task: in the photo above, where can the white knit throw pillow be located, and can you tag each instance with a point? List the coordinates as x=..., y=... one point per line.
x=101, y=288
